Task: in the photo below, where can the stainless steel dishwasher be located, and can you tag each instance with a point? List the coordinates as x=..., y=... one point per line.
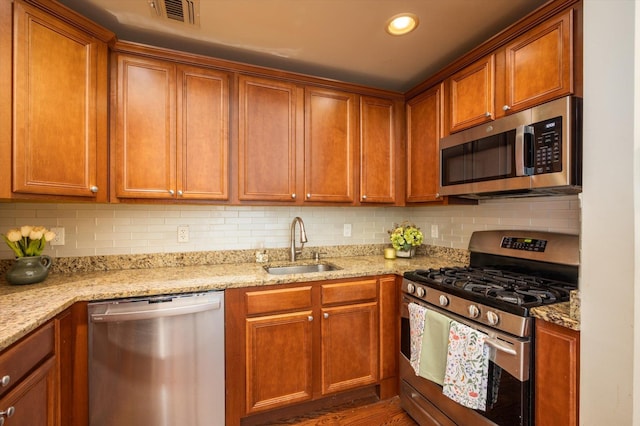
x=157, y=361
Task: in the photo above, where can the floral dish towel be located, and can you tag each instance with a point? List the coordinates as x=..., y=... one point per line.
x=466, y=375
x=417, y=315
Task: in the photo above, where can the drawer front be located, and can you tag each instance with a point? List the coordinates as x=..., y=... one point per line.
x=23, y=357
x=286, y=299
x=350, y=292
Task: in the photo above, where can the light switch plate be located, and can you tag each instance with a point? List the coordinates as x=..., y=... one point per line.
x=347, y=230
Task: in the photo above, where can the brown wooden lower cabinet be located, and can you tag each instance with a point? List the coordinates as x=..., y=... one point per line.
x=297, y=344
x=557, y=374
x=28, y=393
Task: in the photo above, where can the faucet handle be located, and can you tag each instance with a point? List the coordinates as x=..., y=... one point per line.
x=316, y=255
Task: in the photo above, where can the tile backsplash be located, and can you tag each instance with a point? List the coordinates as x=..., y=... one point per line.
x=116, y=229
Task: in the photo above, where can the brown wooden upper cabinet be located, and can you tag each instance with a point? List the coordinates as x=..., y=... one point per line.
x=423, y=136
x=470, y=95
x=534, y=68
x=270, y=120
x=171, y=137
x=378, y=150
x=330, y=145
x=538, y=66
x=59, y=107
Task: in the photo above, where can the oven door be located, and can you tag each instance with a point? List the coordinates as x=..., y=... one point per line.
x=509, y=394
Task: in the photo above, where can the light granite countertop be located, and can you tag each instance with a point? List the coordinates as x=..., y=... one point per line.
x=558, y=313
x=24, y=308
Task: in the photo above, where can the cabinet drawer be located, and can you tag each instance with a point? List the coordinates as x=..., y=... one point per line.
x=24, y=356
x=286, y=299
x=358, y=291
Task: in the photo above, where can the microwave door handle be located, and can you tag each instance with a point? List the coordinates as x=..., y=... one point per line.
x=524, y=151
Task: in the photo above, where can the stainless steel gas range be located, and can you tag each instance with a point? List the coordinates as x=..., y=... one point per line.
x=509, y=273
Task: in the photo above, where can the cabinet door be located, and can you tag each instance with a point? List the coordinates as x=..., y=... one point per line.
x=470, y=95
x=557, y=367
x=278, y=360
x=33, y=400
x=349, y=346
x=60, y=99
x=202, y=133
x=539, y=64
x=145, y=136
x=423, y=137
x=267, y=139
x=330, y=145
x=377, y=151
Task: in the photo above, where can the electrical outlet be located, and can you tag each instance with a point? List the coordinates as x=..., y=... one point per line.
x=434, y=231
x=346, y=230
x=183, y=233
x=59, y=239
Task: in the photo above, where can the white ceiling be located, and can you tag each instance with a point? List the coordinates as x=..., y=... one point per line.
x=337, y=39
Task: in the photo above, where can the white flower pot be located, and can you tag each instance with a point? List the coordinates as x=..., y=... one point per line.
x=406, y=253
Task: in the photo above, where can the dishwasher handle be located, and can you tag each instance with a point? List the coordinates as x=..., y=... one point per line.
x=164, y=311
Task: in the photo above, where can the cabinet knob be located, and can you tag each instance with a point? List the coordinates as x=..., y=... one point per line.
x=5, y=380
x=325, y=315
x=506, y=107
x=293, y=196
x=180, y=193
x=9, y=412
x=364, y=197
x=93, y=189
x=310, y=318
x=308, y=195
x=171, y=192
x=487, y=114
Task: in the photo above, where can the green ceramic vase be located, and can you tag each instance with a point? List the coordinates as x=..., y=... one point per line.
x=29, y=270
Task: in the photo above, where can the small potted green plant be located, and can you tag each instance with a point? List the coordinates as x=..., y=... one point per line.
x=405, y=238
x=27, y=243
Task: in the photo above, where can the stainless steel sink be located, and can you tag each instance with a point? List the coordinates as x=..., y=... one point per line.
x=300, y=269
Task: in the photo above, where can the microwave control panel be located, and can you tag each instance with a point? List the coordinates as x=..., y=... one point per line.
x=547, y=146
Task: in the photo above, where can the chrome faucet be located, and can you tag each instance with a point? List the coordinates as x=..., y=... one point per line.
x=293, y=251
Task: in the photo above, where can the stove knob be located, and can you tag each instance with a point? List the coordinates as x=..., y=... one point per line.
x=444, y=301
x=474, y=312
x=493, y=318
x=411, y=288
x=420, y=292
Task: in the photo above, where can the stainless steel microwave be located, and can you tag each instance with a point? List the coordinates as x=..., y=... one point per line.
x=533, y=152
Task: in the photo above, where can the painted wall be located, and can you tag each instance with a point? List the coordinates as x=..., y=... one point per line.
x=609, y=233
x=105, y=229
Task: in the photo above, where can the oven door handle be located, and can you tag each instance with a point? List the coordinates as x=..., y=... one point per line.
x=500, y=346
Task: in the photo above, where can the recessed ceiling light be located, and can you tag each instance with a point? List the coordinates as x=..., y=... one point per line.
x=402, y=23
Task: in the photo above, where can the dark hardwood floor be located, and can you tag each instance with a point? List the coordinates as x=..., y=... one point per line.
x=359, y=413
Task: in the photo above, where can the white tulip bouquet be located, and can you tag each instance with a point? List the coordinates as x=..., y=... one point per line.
x=28, y=240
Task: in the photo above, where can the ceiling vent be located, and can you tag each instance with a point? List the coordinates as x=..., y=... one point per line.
x=184, y=11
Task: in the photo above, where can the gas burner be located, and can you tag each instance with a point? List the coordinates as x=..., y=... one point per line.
x=495, y=284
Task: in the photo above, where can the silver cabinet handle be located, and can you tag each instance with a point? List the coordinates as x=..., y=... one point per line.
x=364, y=197
x=308, y=195
x=487, y=114
x=171, y=192
x=9, y=412
x=293, y=196
x=506, y=107
x=326, y=315
x=5, y=380
x=180, y=193
x=310, y=318
x=93, y=189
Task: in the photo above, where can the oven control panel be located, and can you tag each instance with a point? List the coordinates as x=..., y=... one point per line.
x=525, y=244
